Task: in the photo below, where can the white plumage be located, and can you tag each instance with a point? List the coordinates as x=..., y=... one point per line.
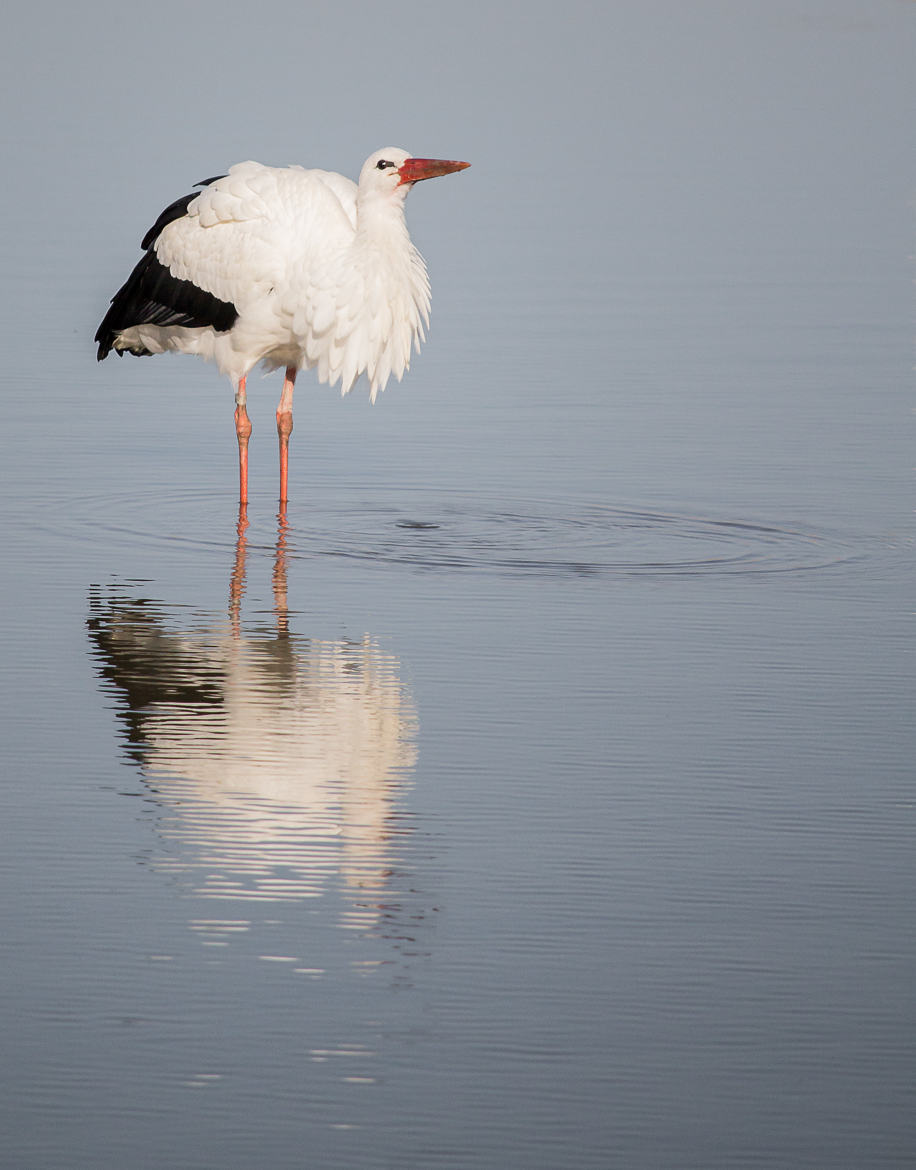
x=292, y=268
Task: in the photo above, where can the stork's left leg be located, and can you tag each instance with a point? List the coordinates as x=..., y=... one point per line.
x=243, y=431
x=285, y=426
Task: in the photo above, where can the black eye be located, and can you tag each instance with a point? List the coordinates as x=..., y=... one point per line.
x=383, y=163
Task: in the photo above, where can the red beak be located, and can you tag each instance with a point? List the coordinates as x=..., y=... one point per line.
x=412, y=170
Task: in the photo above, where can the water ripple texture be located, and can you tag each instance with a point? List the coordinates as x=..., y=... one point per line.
x=478, y=533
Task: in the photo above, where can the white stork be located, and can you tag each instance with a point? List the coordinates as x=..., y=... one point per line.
x=290, y=267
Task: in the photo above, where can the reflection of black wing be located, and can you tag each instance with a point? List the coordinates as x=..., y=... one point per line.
x=147, y=665
x=152, y=664
x=151, y=295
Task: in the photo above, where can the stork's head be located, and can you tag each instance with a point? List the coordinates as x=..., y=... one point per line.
x=392, y=171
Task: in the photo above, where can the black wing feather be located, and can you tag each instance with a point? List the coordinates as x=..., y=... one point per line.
x=151, y=295
x=174, y=211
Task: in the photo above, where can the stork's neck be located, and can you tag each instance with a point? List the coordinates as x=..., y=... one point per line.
x=380, y=223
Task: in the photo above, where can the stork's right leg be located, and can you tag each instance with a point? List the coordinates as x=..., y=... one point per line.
x=243, y=431
x=285, y=427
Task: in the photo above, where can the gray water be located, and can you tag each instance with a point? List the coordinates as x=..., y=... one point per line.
x=537, y=789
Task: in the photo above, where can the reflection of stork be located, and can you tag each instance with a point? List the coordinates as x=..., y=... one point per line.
x=277, y=759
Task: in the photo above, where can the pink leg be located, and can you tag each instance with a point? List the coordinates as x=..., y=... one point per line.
x=243, y=431
x=285, y=427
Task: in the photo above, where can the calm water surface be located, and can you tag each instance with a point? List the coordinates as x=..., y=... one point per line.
x=537, y=791
x=437, y=828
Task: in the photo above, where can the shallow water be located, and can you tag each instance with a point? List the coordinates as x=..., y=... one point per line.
x=536, y=790
x=436, y=829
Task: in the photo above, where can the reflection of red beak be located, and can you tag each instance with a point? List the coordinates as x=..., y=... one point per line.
x=412, y=170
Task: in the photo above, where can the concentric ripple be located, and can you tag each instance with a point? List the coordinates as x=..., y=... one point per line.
x=543, y=537
x=471, y=532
